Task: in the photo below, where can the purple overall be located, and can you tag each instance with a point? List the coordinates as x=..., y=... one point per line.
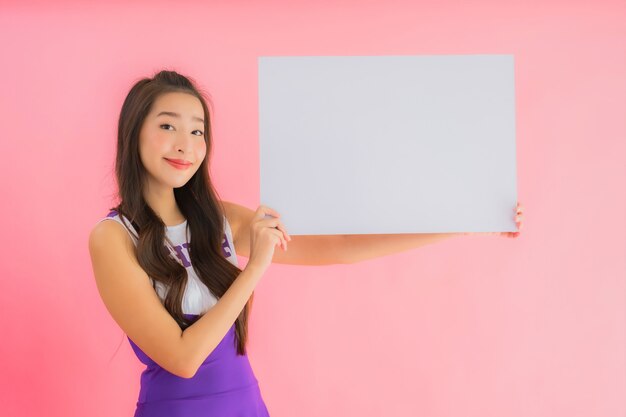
x=224, y=386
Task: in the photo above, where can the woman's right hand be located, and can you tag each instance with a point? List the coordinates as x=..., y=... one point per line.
x=265, y=235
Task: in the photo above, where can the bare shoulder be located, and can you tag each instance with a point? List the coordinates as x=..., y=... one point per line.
x=232, y=211
x=229, y=207
x=107, y=234
x=239, y=217
x=109, y=242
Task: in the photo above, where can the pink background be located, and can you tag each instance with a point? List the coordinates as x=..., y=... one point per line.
x=471, y=326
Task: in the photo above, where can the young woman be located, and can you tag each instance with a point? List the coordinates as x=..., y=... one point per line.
x=166, y=265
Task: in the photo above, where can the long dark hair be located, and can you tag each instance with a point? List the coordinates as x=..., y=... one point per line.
x=197, y=201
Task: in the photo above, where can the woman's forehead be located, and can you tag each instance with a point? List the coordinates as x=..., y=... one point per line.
x=179, y=105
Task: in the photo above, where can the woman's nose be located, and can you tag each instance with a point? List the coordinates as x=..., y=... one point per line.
x=184, y=143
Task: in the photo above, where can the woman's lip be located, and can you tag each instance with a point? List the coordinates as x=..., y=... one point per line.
x=178, y=165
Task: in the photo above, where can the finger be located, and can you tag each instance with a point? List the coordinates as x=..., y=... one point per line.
x=275, y=223
x=270, y=210
x=272, y=222
x=281, y=227
x=264, y=210
x=279, y=235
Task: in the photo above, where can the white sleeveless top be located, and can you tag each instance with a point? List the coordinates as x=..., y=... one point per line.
x=197, y=298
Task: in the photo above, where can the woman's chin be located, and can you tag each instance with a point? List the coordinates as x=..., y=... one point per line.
x=174, y=183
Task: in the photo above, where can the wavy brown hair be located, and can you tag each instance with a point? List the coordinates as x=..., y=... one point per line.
x=197, y=200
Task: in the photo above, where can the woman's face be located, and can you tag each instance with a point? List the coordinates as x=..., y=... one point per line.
x=172, y=131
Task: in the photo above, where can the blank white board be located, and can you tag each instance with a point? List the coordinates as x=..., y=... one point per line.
x=388, y=144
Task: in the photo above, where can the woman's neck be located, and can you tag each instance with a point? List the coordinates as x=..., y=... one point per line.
x=163, y=203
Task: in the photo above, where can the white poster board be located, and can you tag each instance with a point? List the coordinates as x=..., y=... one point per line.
x=388, y=144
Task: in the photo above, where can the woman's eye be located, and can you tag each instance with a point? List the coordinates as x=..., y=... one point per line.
x=201, y=133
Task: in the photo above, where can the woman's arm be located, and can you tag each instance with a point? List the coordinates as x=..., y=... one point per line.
x=129, y=297
x=339, y=249
x=357, y=248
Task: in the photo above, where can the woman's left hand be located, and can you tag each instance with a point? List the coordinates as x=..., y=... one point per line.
x=518, y=221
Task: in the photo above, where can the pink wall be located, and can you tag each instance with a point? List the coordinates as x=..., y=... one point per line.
x=472, y=326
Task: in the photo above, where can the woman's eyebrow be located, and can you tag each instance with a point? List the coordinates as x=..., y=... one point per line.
x=171, y=113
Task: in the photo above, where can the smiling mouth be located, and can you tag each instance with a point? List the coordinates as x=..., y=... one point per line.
x=178, y=164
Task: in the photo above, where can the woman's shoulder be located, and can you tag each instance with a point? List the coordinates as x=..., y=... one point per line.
x=232, y=218
x=112, y=232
